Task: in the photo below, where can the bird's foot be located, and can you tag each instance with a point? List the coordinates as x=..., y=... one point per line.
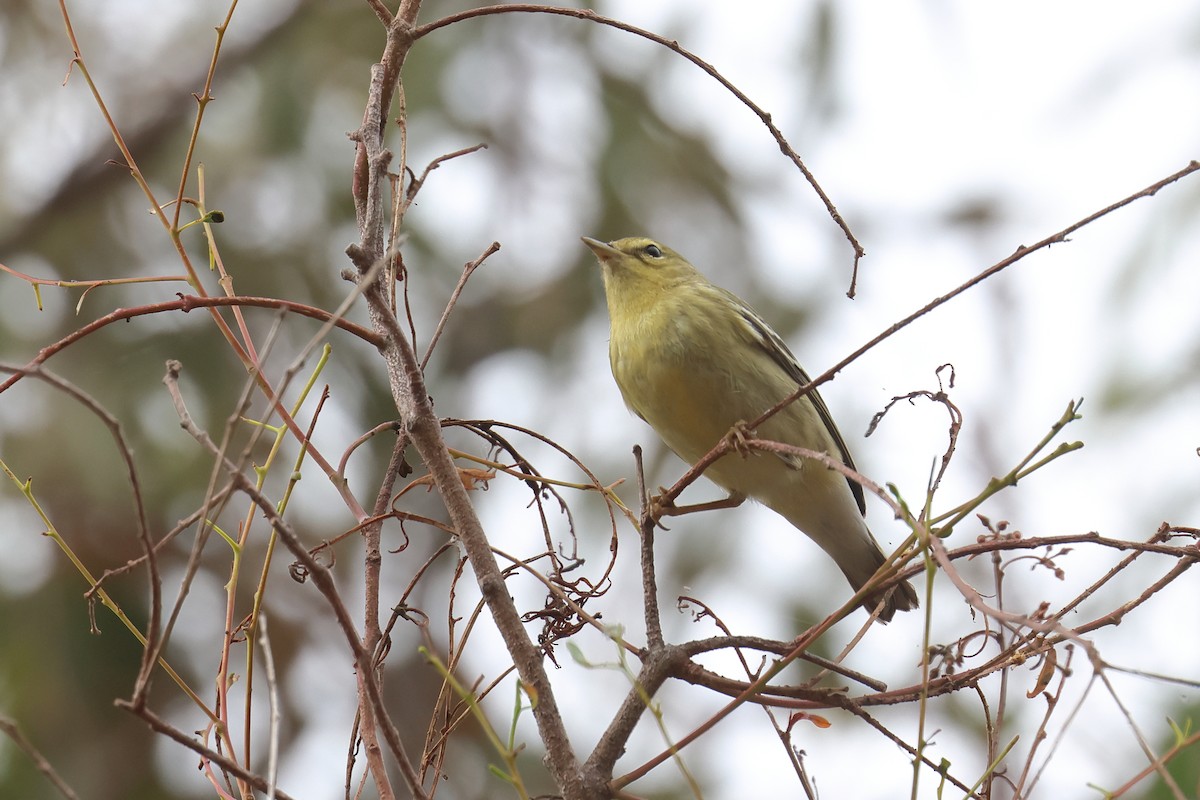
x=661, y=506
x=738, y=436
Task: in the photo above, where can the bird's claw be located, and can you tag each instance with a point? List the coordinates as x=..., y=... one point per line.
x=738, y=437
x=659, y=506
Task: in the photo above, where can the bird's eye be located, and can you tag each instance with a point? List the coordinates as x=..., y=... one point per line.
x=652, y=250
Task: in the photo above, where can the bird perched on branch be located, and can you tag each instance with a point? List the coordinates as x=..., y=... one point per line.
x=696, y=362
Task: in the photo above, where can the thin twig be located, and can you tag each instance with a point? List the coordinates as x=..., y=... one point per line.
x=372, y=635
x=418, y=417
x=417, y=183
x=675, y=47
x=1020, y=253
x=650, y=612
x=203, y=98
x=468, y=269
x=160, y=725
x=1156, y=761
x=323, y=579
x=153, y=631
x=186, y=303
x=264, y=641
x=10, y=728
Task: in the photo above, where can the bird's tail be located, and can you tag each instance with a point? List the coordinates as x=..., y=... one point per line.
x=901, y=597
x=823, y=507
x=859, y=557
x=844, y=535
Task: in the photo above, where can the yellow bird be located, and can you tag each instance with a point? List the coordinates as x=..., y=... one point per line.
x=693, y=360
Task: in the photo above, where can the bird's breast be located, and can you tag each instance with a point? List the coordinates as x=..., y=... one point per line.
x=673, y=378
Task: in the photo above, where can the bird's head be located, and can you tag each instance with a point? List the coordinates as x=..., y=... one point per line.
x=640, y=266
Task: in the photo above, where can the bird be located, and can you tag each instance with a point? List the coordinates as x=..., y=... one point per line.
x=696, y=362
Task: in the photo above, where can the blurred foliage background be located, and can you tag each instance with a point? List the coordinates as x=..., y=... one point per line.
x=946, y=137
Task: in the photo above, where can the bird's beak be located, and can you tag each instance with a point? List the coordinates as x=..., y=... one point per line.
x=603, y=251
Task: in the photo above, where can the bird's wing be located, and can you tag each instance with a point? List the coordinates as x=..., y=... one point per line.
x=781, y=355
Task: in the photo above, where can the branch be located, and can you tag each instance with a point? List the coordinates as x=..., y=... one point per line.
x=159, y=725
x=673, y=46
x=1020, y=253
x=186, y=303
x=10, y=728
x=416, y=409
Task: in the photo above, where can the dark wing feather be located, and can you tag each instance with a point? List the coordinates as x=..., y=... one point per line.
x=782, y=356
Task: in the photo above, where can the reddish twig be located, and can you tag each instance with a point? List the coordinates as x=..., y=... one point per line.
x=675, y=47
x=1020, y=253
